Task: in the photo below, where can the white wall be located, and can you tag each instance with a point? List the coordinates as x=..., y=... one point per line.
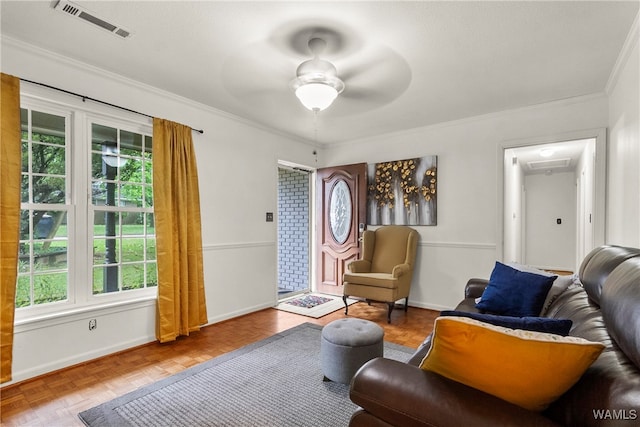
x=549, y=198
x=623, y=187
x=464, y=243
x=237, y=165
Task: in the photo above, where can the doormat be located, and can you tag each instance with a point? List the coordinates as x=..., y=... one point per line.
x=308, y=301
x=313, y=305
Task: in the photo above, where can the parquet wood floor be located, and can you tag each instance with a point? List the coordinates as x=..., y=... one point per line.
x=56, y=398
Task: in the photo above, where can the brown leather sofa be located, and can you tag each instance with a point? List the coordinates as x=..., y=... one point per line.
x=604, y=306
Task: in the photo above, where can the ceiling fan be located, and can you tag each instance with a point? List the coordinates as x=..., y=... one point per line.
x=358, y=74
x=317, y=84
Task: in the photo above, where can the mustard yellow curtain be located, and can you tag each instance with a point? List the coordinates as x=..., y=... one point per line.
x=10, y=160
x=181, y=307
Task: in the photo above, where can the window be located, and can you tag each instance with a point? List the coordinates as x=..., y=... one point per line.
x=43, y=258
x=124, y=245
x=87, y=230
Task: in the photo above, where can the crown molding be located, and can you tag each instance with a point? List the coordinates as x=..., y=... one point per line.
x=473, y=119
x=630, y=43
x=102, y=73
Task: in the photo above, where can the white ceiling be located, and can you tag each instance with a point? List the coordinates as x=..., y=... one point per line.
x=405, y=64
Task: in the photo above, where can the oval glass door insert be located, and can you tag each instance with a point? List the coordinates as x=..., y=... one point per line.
x=340, y=210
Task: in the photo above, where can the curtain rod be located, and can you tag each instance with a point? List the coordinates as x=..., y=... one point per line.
x=84, y=98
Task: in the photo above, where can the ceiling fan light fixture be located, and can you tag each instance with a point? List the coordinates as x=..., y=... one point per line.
x=316, y=96
x=317, y=84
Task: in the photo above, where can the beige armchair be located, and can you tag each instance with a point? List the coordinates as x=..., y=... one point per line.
x=385, y=269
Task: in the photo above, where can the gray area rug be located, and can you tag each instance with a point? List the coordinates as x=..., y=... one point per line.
x=273, y=382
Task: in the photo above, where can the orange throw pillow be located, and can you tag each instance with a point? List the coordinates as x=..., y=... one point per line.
x=529, y=369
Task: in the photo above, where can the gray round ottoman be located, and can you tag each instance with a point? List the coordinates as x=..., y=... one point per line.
x=346, y=345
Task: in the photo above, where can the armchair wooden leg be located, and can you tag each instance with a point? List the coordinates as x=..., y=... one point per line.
x=346, y=306
x=406, y=304
x=391, y=305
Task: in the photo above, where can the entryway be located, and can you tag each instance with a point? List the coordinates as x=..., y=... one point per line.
x=294, y=225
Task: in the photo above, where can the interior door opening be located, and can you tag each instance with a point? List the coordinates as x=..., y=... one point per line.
x=294, y=230
x=550, y=201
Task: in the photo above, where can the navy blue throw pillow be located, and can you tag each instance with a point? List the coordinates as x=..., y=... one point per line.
x=511, y=292
x=536, y=324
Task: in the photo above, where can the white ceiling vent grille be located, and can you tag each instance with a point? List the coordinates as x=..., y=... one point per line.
x=549, y=164
x=79, y=12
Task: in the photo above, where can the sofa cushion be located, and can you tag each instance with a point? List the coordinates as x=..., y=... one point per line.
x=515, y=293
x=536, y=324
x=529, y=369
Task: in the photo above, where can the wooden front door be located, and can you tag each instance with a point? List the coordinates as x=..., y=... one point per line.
x=341, y=209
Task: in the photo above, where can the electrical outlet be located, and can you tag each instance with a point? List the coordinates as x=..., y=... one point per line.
x=93, y=324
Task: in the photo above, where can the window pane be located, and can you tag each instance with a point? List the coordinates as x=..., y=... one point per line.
x=24, y=123
x=148, y=172
x=130, y=144
x=105, y=279
x=133, y=276
x=48, y=128
x=148, y=198
x=151, y=249
x=24, y=259
x=49, y=224
x=98, y=280
x=132, y=249
x=150, y=224
x=48, y=189
x=148, y=145
x=132, y=223
x=51, y=257
x=101, y=134
x=152, y=274
x=132, y=171
x=25, y=156
x=49, y=287
x=105, y=251
x=23, y=291
x=24, y=189
x=131, y=195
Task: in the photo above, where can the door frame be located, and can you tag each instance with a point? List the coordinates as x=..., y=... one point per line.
x=283, y=164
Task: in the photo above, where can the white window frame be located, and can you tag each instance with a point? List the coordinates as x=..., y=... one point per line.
x=78, y=118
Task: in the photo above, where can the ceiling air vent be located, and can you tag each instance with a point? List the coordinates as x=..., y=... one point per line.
x=81, y=13
x=549, y=164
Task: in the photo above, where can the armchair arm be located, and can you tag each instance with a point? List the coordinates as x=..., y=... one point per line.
x=475, y=287
x=359, y=266
x=400, y=270
x=405, y=395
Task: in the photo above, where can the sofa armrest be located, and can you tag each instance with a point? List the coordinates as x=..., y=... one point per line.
x=359, y=266
x=404, y=395
x=475, y=287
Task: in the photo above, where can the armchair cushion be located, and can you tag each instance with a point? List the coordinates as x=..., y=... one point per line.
x=515, y=293
x=380, y=280
x=528, y=369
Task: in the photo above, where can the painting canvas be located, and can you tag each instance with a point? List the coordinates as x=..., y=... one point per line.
x=403, y=192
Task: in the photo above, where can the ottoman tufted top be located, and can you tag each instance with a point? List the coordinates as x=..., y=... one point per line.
x=352, y=332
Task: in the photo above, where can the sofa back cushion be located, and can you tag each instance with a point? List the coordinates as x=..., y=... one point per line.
x=609, y=391
x=598, y=264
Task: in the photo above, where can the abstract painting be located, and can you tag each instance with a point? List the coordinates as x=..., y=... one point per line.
x=403, y=192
